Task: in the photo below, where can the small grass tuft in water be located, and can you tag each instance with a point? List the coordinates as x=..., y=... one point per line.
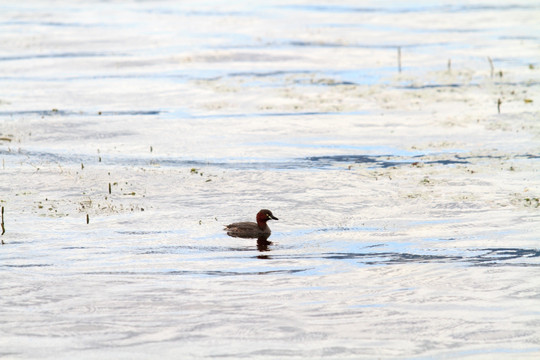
x=2, y=224
x=532, y=202
x=426, y=181
x=399, y=58
x=491, y=67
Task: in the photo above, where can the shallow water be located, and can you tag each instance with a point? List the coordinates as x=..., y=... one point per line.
x=408, y=205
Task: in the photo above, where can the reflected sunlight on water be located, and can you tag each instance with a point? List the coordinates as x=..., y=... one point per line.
x=131, y=133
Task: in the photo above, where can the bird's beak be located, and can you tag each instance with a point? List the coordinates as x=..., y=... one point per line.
x=272, y=217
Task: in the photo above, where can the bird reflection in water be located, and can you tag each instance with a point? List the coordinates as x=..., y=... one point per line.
x=262, y=245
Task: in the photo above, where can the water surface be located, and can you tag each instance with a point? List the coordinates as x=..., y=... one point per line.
x=131, y=132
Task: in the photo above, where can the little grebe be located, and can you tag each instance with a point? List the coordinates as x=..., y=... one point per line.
x=249, y=229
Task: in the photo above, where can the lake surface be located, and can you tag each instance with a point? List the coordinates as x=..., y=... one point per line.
x=398, y=144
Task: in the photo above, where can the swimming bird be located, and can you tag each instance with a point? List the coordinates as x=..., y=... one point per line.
x=250, y=230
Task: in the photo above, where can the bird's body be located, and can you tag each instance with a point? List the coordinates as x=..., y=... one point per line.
x=247, y=229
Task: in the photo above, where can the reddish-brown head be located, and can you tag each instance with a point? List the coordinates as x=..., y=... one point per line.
x=263, y=216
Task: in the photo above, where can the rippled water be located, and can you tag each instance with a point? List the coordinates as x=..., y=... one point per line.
x=131, y=132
